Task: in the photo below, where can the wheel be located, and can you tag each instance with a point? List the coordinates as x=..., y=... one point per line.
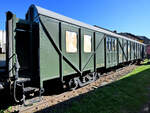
x=73, y=84
x=96, y=76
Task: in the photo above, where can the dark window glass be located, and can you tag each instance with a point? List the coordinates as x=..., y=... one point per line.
x=110, y=47
x=107, y=43
x=114, y=44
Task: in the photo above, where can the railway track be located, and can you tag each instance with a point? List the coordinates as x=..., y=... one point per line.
x=53, y=102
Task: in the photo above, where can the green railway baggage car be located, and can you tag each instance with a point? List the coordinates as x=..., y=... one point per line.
x=47, y=46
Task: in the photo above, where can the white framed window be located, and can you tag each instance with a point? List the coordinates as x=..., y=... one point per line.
x=87, y=43
x=71, y=42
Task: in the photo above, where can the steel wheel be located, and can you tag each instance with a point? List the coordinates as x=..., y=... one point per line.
x=73, y=84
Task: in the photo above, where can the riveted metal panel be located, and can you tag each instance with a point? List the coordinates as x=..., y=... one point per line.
x=139, y=51
x=87, y=57
x=108, y=53
x=99, y=41
x=135, y=50
x=111, y=52
x=129, y=50
x=124, y=45
x=49, y=58
x=115, y=53
x=120, y=50
x=73, y=57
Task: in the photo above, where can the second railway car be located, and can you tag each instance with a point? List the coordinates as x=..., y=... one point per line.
x=47, y=45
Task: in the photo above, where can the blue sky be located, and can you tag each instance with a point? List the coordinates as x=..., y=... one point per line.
x=122, y=15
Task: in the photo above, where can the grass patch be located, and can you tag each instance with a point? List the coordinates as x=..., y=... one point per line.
x=6, y=111
x=124, y=96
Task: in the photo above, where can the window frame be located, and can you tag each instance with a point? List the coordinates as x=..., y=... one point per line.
x=84, y=43
x=67, y=44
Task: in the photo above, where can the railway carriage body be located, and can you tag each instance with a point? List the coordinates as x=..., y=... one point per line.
x=47, y=46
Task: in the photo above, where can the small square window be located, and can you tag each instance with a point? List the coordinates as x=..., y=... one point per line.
x=87, y=43
x=71, y=42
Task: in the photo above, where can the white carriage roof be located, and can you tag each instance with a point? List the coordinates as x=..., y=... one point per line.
x=52, y=14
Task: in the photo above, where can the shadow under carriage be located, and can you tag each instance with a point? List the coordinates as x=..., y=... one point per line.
x=121, y=85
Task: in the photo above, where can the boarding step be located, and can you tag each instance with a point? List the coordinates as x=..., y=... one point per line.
x=30, y=92
x=31, y=89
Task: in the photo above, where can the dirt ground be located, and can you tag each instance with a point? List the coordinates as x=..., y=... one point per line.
x=63, y=100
